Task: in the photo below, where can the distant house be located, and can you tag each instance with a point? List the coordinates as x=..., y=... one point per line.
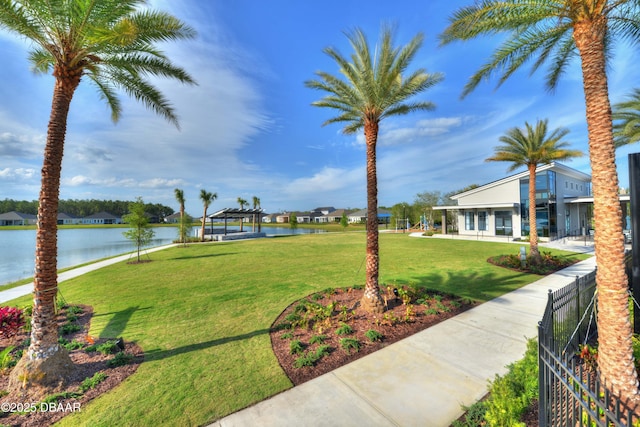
x=269, y=218
x=17, y=218
x=325, y=210
x=66, y=219
x=384, y=216
x=101, y=218
x=174, y=218
x=333, y=216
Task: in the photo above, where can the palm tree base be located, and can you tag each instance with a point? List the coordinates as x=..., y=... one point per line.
x=371, y=304
x=40, y=376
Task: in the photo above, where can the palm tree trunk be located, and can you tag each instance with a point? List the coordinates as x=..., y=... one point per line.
x=615, y=352
x=371, y=300
x=534, y=254
x=46, y=363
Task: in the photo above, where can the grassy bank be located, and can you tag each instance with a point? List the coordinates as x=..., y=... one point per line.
x=202, y=313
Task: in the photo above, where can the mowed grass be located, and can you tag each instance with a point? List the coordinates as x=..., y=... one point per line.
x=202, y=313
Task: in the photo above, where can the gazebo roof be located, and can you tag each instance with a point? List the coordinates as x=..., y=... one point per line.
x=235, y=213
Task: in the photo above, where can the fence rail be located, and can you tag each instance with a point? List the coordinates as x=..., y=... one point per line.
x=570, y=392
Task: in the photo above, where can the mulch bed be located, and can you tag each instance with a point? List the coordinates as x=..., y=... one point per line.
x=87, y=364
x=392, y=324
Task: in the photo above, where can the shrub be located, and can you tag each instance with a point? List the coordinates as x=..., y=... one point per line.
x=373, y=335
x=69, y=328
x=120, y=359
x=6, y=359
x=344, y=329
x=317, y=339
x=73, y=345
x=89, y=383
x=350, y=343
x=74, y=309
x=312, y=357
x=287, y=335
x=11, y=320
x=107, y=347
x=296, y=347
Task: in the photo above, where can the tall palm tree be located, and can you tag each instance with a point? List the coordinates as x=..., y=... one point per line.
x=207, y=198
x=373, y=86
x=532, y=149
x=626, y=117
x=553, y=32
x=242, y=202
x=181, y=200
x=256, y=205
x=110, y=43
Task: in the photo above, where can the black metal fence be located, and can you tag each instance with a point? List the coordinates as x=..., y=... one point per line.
x=570, y=392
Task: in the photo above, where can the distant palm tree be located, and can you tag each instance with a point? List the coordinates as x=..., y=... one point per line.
x=256, y=205
x=111, y=43
x=207, y=198
x=531, y=148
x=554, y=32
x=181, y=200
x=375, y=85
x=626, y=117
x=242, y=202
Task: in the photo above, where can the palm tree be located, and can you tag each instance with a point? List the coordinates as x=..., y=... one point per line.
x=256, y=205
x=181, y=200
x=374, y=86
x=626, y=116
x=207, y=198
x=111, y=44
x=553, y=32
x=532, y=149
x=242, y=202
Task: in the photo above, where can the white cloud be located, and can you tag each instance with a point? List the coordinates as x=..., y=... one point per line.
x=17, y=174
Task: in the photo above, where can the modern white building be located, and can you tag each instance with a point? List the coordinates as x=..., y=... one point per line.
x=501, y=208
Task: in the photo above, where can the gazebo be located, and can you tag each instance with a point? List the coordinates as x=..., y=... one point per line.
x=235, y=214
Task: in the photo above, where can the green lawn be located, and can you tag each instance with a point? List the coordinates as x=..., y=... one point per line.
x=202, y=313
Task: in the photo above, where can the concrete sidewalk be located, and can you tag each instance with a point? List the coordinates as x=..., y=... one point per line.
x=19, y=291
x=424, y=379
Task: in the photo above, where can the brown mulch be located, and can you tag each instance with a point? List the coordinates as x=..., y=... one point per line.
x=393, y=324
x=86, y=365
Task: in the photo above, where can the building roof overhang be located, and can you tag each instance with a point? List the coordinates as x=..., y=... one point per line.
x=235, y=213
x=478, y=206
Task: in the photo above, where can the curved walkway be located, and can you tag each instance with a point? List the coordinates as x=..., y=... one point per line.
x=424, y=379
x=22, y=290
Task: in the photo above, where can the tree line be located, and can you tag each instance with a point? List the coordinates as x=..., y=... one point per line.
x=84, y=208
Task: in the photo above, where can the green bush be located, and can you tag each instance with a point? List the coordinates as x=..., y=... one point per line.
x=344, y=329
x=317, y=339
x=107, y=347
x=373, y=335
x=350, y=343
x=296, y=347
x=69, y=328
x=92, y=382
x=120, y=359
x=311, y=357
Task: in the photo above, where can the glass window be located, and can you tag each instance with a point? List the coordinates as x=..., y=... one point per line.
x=482, y=221
x=469, y=221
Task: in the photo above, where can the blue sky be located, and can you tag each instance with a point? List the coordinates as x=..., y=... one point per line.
x=248, y=128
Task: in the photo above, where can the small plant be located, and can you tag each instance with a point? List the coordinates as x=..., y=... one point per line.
x=69, y=328
x=312, y=357
x=296, y=347
x=316, y=297
x=443, y=308
x=373, y=335
x=74, y=309
x=287, y=335
x=344, y=313
x=317, y=339
x=405, y=296
x=589, y=356
x=73, y=345
x=92, y=382
x=344, y=329
x=350, y=343
x=409, y=313
x=6, y=359
x=431, y=311
x=11, y=320
x=389, y=318
x=120, y=359
x=107, y=347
